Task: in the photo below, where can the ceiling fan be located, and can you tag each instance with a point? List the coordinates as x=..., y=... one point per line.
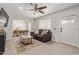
x=37, y=9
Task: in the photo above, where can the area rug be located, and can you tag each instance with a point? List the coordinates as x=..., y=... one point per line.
x=21, y=48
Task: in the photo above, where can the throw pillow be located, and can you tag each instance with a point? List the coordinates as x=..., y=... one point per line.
x=44, y=32
x=36, y=31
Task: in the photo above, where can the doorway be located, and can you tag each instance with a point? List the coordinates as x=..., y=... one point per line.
x=67, y=31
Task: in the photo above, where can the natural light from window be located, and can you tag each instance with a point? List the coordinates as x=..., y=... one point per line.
x=45, y=24
x=20, y=24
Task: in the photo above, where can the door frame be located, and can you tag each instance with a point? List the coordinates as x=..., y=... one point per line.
x=75, y=28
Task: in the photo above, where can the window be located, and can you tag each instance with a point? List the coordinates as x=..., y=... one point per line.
x=29, y=26
x=45, y=24
x=20, y=24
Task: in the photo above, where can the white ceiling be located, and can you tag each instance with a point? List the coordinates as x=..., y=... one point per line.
x=13, y=8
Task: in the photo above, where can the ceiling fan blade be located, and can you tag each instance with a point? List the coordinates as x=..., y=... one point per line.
x=29, y=9
x=32, y=5
x=42, y=7
x=35, y=5
x=41, y=11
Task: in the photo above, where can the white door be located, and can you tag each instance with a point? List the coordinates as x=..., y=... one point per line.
x=67, y=31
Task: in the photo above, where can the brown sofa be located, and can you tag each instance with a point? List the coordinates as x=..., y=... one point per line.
x=43, y=38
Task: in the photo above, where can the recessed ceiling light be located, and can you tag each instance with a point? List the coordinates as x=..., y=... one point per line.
x=20, y=8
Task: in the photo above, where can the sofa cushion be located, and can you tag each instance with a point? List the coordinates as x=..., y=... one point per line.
x=38, y=35
x=35, y=35
x=40, y=31
x=36, y=31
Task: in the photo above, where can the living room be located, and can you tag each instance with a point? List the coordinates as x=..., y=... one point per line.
x=39, y=28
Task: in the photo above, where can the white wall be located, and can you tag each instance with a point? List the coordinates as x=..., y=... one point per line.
x=55, y=21
x=9, y=30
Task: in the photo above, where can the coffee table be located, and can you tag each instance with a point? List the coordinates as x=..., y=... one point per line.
x=26, y=39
